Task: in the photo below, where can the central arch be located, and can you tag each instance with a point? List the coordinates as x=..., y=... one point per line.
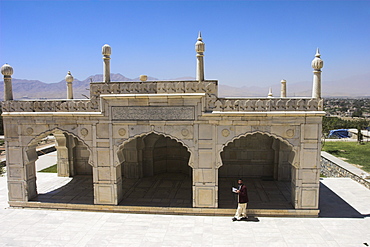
x=264, y=162
x=155, y=171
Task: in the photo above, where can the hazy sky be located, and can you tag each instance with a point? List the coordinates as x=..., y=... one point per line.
x=247, y=42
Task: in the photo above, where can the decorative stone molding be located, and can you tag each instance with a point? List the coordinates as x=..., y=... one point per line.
x=290, y=133
x=213, y=103
x=209, y=87
x=29, y=131
x=51, y=106
x=84, y=132
x=122, y=132
x=185, y=132
x=268, y=104
x=225, y=132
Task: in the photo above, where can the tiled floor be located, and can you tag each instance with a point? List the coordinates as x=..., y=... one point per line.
x=164, y=190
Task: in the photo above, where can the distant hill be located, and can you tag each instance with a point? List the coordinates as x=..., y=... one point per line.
x=33, y=89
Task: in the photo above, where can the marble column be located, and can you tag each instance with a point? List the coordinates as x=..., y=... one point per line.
x=283, y=89
x=200, y=48
x=106, y=51
x=7, y=72
x=69, y=80
x=317, y=65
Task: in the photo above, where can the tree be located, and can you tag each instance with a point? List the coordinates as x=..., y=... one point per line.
x=357, y=113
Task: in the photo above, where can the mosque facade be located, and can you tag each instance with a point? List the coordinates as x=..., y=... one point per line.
x=135, y=130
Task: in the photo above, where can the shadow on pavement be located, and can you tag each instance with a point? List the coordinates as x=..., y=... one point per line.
x=333, y=206
x=78, y=191
x=251, y=219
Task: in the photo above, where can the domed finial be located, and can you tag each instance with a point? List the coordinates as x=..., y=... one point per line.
x=270, y=93
x=7, y=70
x=199, y=45
x=143, y=78
x=69, y=77
x=200, y=36
x=317, y=62
x=106, y=50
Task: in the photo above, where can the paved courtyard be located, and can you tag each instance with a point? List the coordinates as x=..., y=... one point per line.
x=344, y=221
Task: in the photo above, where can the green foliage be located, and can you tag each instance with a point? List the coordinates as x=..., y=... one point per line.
x=332, y=123
x=352, y=152
x=357, y=113
x=50, y=169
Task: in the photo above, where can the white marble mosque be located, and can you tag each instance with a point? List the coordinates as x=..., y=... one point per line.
x=166, y=129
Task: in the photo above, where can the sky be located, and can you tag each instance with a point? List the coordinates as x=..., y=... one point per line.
x=248, y=43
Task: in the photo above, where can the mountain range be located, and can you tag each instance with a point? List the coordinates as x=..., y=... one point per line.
x=358, y=86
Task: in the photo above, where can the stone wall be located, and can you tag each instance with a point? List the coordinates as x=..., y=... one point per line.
x=333, y=167
x=250, y=156
x=81, y=162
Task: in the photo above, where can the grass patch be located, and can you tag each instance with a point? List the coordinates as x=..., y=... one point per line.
x=351, y=152
x=50, y=169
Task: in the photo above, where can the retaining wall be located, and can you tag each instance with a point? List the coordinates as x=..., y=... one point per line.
x=331, y=166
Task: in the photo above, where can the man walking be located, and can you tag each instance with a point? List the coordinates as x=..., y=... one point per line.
x=241, y=212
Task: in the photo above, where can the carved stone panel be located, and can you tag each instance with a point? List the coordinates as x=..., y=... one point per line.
x=153, y=113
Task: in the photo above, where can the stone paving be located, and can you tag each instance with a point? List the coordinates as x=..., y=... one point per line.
x=344, y=221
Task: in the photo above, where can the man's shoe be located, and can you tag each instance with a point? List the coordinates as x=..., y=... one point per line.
x=234, y=219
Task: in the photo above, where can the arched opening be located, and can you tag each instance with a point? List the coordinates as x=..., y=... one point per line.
x=264, y=164
x=155, y=172
x=72, y=182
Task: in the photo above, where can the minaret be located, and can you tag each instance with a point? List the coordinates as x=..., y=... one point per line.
x=283, y=89
x=317, y=64
x=7, y=71
x=69, y=80
x=200, y=48
x=106, y=51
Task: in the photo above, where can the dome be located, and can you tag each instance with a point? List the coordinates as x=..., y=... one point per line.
x=317, y=62
x=69, y=77
x=6, y=70
x=106, y=50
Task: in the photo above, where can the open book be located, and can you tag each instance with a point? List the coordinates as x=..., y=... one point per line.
x=233, y=189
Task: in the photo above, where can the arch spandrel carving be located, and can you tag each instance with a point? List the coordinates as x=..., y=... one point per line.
x=37, y=137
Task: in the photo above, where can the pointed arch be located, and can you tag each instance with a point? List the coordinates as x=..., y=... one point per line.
x=160, y=134
x=257, y=132
x=283, y=140
x=44, y=134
